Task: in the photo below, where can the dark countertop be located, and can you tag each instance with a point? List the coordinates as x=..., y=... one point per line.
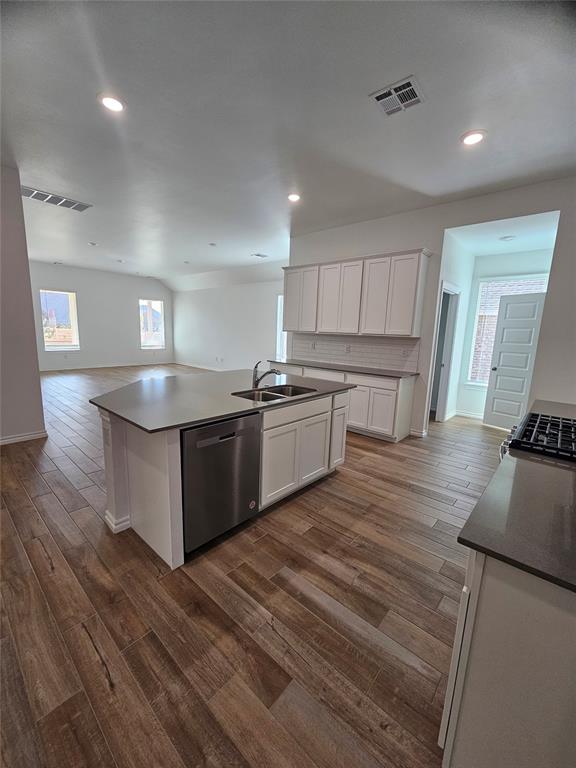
x=527, y=514
x=346, y=368
x=171, y=402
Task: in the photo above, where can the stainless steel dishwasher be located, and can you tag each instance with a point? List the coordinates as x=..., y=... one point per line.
x=220, y=477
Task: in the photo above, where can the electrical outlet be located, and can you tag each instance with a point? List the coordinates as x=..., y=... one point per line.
x=348, y=348
x=313, y=345
x=405, y=352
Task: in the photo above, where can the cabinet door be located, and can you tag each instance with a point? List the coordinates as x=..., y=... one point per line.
x=350, y=292
x=314, y=447
x=280, y=462
x=381, y=411
x=359, y=401
x=402, y=294
x=375, y=295
x=328, y=298
x=292, y=299
x=338, y=437
x=308, y=299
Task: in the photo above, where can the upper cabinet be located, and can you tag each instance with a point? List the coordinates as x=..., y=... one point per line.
x=339, y=292
x=300, y=299
x=380, y=295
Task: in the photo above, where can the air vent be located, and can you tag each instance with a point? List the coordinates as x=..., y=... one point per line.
x=398, y=97
x=53, y=199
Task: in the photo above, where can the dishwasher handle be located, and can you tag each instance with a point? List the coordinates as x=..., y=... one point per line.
x=218, y=439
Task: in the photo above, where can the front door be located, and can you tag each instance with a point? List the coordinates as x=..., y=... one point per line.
x=515, y=343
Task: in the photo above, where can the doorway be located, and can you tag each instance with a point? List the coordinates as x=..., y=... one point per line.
x=444, y=352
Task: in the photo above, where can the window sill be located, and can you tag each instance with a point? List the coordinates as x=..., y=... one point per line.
x=475, y=385
x=152, y=349
x=61, y=349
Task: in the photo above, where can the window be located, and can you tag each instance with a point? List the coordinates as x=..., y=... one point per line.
x=281, y=335
x=489, y=293
x=151, y=324
x=59, y=320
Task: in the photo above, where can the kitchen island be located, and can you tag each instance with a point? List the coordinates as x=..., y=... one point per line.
x=148, y=425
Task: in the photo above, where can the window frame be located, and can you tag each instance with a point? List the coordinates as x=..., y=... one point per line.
x=74, y=317
x=477, y=288
x=147, y=347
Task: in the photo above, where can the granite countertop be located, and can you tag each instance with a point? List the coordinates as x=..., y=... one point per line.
x=527, y=514
x=191, y=399
x=342, y=367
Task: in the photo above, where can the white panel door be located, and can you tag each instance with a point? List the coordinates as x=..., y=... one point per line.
x=314, y=447
x=328, y=298
x=513, y=356
x=381, y=411
x=375, y=295
x=308, y=299
x=338, y=437
x=359, y=401
x=292, y=299
x=280, y=462
x=402, y=294
x=350, y=293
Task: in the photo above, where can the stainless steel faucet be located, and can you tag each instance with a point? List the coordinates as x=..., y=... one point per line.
x=257, y=379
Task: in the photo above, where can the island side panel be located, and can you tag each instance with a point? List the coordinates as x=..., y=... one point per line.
x=155, y=490
x=117, y=515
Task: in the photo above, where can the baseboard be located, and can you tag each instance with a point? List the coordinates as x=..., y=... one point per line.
x=23, y=437
x=116, y=525
x=470, y=415
x=418, y=432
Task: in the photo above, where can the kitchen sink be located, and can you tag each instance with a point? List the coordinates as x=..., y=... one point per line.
x=259, y=395
x=290, y=390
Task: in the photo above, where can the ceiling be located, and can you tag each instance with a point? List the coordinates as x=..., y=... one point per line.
x=530, y=233
x=230, y=106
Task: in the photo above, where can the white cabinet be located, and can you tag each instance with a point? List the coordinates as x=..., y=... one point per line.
x=404, y=309
x=350, y=293
x=280, y=462
x=339, y=292
x=375, y=295
x=381, y=410
x=314, y=447
x=338, y=437
x=359, y=401
x=328, y=298
x=300, y=451
x=300, y=299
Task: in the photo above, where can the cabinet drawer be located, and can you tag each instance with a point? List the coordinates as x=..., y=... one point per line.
x=322, y=373
x=381, y=382
x=341, y=400
x=296, y=412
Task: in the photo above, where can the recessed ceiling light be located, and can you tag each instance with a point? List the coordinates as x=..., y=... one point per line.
x=507, y=237
x=260, y=255
x=92, y=243
x=111, y=103
x=186, y=262
x=293, y=197
x=473, y=137
x=120, y=261
x=212, y=245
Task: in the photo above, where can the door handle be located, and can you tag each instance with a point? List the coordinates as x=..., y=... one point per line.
x=495, y=368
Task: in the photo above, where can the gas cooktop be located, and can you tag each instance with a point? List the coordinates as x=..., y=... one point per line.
x=546, y=435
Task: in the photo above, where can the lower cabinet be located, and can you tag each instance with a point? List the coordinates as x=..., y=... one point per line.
x=338, y=437
x=381, y=411
x=359, y=402
x=298, y=453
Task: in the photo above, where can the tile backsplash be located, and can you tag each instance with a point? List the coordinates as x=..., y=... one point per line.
x=372, y=351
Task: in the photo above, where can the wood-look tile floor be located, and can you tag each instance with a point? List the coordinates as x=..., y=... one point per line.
x=317, y=636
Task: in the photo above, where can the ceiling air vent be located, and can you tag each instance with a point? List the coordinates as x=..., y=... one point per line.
x=399, y=96
x=49, y=197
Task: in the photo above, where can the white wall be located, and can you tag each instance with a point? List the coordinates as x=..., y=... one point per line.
x=21, y=412
x=472, y=397
x=226, y=327
x=108, y=317
x=425, y=228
